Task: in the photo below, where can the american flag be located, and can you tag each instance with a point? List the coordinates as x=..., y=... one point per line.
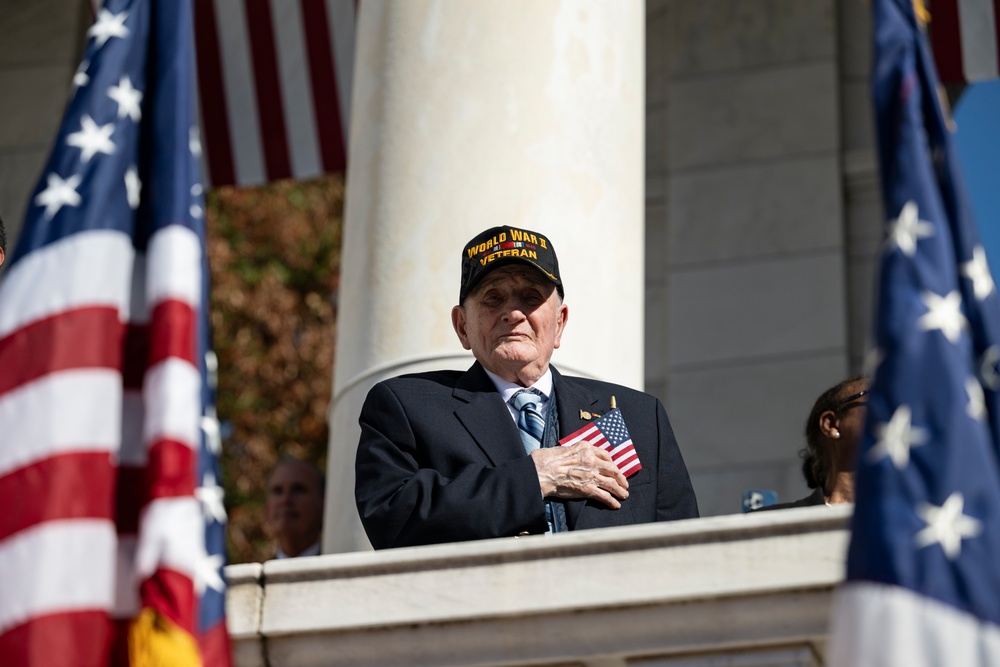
x=923, y=568
x=113, y=513
x=610, y=434
x=274, y=87
x=964, y=35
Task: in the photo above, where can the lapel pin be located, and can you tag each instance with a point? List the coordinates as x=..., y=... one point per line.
x=588, y=415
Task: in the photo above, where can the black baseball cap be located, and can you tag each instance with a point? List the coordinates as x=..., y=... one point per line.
x=502, y=246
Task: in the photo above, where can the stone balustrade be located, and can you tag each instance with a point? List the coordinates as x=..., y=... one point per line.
x=747, y=590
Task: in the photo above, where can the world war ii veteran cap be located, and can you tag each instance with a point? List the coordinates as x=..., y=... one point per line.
x=501, y=246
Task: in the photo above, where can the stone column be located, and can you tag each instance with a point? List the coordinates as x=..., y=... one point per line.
x=469, y=115
x=42, y=44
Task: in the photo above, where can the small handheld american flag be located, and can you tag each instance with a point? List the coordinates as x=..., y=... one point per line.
x=610, y=434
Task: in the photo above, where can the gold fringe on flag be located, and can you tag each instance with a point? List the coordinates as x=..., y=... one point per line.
x=920, y=9
x=155, y=641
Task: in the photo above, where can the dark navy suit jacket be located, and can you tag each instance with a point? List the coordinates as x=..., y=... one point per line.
x=440, y=460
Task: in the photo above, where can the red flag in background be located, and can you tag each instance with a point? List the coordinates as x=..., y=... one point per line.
x=274, y=87
x=964, y=38
x=274, y=79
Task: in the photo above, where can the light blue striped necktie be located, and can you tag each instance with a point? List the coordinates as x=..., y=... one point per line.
x=530, y=422
x=531, y=426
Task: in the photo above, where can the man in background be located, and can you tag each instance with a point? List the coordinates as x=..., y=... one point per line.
x=294, y=509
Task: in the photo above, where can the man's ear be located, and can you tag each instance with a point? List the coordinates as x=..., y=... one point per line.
x=458, y=321
x=561, y=324
x=1, y=256
x=828, y=425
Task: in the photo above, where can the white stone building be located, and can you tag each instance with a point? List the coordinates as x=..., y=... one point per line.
x=706, y=171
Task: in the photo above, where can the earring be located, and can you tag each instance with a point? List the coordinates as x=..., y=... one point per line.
x=836, y=433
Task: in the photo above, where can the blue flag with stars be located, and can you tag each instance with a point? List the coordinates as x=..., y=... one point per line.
x=923, y=568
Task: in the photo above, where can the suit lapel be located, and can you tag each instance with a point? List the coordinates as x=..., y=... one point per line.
x=572, y=397
x=488, y=421
x=485, y=416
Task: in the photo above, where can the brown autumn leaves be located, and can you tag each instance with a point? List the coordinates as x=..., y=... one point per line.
x=274, y=255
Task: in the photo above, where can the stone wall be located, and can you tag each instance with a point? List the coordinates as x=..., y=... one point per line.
x=746, y=590
x=759, y=225
x=42, y=41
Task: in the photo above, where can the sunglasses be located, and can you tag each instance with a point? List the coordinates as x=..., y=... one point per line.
x=850, y=399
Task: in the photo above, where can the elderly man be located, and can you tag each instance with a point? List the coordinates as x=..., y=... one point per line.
x=294, y=508
x=448, y=456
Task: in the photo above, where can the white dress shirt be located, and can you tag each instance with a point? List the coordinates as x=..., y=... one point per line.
x=508, y=389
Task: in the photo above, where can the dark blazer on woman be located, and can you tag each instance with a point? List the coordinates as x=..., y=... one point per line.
x=814, y=498
x=441, y=460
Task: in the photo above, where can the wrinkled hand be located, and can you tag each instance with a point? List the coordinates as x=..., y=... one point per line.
x=580, y=471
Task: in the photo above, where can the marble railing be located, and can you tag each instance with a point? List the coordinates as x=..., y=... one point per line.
x=748, y=590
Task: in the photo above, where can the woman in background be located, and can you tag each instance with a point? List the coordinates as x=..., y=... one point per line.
x=833, y=437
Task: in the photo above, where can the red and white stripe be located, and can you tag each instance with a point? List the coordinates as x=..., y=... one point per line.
x=161, y=366
x=625, y=458
x=274, y=81
x=624, y=455
x=964, y=36
x=274, y=87
x=100, y=399
x=912, y=630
